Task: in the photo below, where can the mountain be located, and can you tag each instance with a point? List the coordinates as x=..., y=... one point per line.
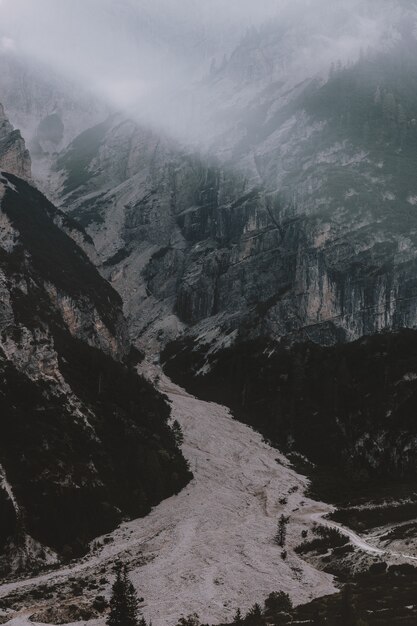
x=310, y=241
x=271, y=274
x=342, y=157
x=49, y=110
x=85, y=441
x=147, y=202
x=323, y=248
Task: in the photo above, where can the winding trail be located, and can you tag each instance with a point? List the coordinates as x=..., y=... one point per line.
x=359, y=542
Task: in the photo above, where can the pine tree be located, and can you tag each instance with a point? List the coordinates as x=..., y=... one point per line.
x=281, y=535
x=255, y=616
x=178, y=434
x=123, y=602
x=277, y=602
x=238, y=618
x=191, y=620
x=118, y=607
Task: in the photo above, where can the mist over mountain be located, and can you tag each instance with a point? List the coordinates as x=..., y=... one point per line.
x=208, y=312
x=148, y=57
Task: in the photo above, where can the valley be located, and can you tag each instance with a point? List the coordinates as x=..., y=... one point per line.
x=176, y=554
x=208, y=313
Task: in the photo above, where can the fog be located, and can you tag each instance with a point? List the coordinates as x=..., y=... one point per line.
x=129, y=44
x=143, y=55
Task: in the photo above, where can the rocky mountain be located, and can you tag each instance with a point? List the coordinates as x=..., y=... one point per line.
x=304, y=231
x=272, y=271
x=85, y=441
x=146, y=209
x=315, y=249
x=48, y=109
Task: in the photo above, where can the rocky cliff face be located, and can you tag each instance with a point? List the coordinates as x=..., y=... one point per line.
x=179, y=238
x=192, y=245
x=84, y=441
x=14, y=157
x=335, y=156
x=315, y=239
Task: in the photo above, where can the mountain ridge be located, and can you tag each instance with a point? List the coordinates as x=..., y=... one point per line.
x=71, y=399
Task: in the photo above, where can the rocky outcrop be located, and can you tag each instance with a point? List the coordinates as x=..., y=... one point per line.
x=14, y=157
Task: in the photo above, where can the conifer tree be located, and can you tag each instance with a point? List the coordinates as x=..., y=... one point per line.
x=191, y=620
x=281, y=535
x=123, y=602
x=255, y=616
x=278, y=602
x=178, y=434
x=238, y=618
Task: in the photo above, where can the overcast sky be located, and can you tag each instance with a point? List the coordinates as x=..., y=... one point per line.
x=132, y=50
x=127, y=39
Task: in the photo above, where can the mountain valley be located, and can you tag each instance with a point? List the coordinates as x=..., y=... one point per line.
x=208, y=318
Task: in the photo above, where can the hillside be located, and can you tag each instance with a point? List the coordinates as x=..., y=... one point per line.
x=70, y=398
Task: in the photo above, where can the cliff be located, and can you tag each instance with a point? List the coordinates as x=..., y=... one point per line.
x=14, y=157
x=84, y=441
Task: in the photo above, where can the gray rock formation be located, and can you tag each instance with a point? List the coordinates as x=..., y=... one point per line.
x=191, y=245
x=14, y=157
x=48, y=110
x=70, y=398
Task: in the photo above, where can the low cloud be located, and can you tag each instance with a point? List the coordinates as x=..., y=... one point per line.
x=137, y=53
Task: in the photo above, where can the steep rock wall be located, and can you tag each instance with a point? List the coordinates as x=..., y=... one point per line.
x=84, y=441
